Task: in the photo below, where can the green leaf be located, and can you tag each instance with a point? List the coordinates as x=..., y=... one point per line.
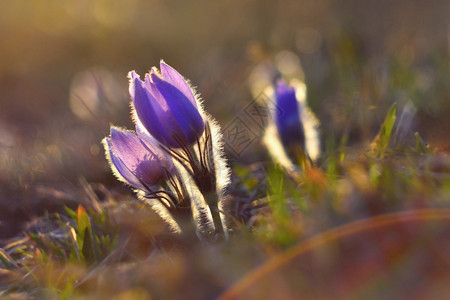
x=37, y=240
x=381, y=141
x=386, y=129
x=7, y=260
x=88, y=247
x=84, y=225
x=421, y=146
x=72, y=214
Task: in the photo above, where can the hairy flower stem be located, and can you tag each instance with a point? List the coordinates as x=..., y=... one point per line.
x=183, y=217
x=206, y=182
x=211, y=200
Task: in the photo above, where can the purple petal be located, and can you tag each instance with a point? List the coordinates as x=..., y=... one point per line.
x=121, y=168
x=186, y=114
x=143, y=163
x=148, y=110
x=133, y=77
x=154, y=146
x=128, y=147
x=174, y=78
x=165, y=111
x=158, y=100
x=283, y=88
x=149, y=141
x=289, y=125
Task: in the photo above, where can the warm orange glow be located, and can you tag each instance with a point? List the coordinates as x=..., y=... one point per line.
x=330, y=236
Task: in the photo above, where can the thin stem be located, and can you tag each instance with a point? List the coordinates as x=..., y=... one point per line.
x=211, y=200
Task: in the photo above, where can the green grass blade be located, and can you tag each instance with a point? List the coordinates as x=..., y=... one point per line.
x=381, y=141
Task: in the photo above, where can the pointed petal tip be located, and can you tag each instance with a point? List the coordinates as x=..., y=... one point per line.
x=173, y=77
x=118, y=134
x=163, y=64
x=114, y=130
x=148, y=80
x=136, y=81
x=134, y=84
x=155, y=76
x=154, y=70
x=132, y=75
x=168, y=70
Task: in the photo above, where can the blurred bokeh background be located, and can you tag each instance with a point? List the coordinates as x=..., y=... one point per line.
x=63, y=67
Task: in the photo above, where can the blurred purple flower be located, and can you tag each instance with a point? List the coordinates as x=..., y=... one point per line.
x=288, y=121
x=136, y=162
x=166, y=106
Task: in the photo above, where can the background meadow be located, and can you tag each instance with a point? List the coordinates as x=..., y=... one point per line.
x=69, y=229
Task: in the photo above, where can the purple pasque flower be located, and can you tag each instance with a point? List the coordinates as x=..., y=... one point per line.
x=140, y=164
x=166, y=106
x=288, y=121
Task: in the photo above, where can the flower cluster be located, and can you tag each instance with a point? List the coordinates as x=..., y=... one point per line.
x=175, y=158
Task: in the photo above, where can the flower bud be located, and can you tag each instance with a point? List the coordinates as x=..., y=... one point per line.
x=288, y=121
x=166, y=106
x=135, y=162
